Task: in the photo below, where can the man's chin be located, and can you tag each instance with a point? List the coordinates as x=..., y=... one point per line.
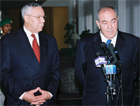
x=40, y=30
x=9, y=32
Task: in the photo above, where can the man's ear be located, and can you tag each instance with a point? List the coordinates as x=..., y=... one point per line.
x=26, y=18
x=1, y=29
x=98, y=23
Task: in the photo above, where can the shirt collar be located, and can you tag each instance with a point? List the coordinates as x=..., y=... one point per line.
x=30, y=38
x=113, y=40
x=28, y=33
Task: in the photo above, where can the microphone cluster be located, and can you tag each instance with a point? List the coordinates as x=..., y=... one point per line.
x=109, y=64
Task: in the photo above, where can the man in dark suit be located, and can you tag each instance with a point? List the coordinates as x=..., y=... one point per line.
x=30, y=69
x=5, y=27
x=92, y=78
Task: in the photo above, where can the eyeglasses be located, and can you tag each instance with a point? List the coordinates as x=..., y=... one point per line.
x=38, y=17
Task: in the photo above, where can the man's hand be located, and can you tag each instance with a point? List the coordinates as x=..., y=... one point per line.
x=45, y=95
x=29, y=97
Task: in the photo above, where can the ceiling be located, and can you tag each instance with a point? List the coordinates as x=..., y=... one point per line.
x=14, y=4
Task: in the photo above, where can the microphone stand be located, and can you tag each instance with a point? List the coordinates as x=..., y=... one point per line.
x=113, y=57
x=106, y=79
x=110, y=84
x=119, y=75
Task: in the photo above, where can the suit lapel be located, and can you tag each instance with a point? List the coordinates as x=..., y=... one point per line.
x=26, y=47
x=43, y=49
x=43, y=55
x=120, y=42
x=97, y=43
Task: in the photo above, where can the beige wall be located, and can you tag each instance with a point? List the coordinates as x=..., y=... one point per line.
x=60, y=18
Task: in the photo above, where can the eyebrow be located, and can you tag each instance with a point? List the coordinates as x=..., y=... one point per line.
x=40, y=14
x=113, y=19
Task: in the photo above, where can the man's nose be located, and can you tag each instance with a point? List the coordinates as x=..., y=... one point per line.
x=110, y=25
x=10, y=27
x=42, y=19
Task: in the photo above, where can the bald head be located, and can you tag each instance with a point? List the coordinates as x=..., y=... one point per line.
x=103, y=9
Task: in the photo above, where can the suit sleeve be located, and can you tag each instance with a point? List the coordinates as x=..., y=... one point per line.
x=80, y=63
x=56, y=75
x=11, y=84
x=136, y=61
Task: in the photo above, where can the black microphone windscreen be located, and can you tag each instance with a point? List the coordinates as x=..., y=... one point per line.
x=116, y=52
x=111, y=48
x=98, y=54
x=103, y=44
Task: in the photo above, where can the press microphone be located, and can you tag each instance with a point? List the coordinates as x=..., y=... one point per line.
x=110, y=67
x=111, y=48
x=118, y=64
x=98, y=54
x=118, y=58
x=107, y=52
x=111, y=72
x=100, y=60
x=107, y=70
x=116, y=53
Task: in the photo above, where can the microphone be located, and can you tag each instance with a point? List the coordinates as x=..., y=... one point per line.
x=100, y=61
x=118, y=64
x=110, y=67
x=116, y=61
x=108, y=71
x=118, y=58
x=111, y=72
x=98, y=54
x=111, y=48
x=116, y=52
x=107, y=52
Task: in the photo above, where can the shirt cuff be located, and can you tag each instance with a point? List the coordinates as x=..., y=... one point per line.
x=51, y=95
x=22, y=96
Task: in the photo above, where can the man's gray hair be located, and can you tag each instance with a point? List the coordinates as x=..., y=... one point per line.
x=28, y=8
x=104, y=8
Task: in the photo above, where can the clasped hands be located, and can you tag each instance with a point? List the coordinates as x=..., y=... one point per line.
x=36, y=100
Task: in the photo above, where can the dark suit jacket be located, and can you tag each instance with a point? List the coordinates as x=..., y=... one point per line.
x=92, y=77
x=20, y=70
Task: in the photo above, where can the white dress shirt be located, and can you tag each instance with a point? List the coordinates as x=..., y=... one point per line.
x=104, y=39
x=30, y=38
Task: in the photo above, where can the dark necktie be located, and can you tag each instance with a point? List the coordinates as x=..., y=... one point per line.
x=107, y=42
x=36, y=48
